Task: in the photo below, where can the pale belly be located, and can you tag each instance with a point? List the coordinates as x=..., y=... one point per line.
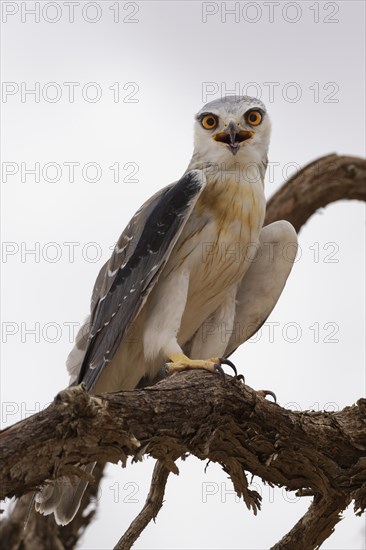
x=217, y=254
x=214, y=271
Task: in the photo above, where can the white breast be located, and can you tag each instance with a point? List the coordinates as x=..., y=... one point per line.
x=216, y=246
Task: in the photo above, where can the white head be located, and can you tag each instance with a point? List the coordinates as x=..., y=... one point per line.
x=229, y=130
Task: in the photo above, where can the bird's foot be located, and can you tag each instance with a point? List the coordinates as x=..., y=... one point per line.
x=180, y=362
x=264, y=393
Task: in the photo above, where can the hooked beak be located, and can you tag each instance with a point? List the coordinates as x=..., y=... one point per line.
x=233, y=137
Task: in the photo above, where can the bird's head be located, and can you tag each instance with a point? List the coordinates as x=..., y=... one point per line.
x=232, y=129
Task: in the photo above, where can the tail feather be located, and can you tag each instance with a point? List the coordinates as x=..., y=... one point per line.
x=63, y=496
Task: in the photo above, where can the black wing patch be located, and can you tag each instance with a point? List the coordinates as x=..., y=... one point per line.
x=116, y=310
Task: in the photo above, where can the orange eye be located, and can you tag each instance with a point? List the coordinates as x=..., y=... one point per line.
x=254, y=118
x=209, y=122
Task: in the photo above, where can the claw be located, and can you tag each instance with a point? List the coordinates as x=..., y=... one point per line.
x=164, y=371
x=264, y=393
x=240, y=378
x=219, y=368
x=224, y=361
x=180, y=362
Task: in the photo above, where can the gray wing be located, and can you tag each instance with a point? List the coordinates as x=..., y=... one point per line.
x=258, y=291
x=126, y=280
x=264, y=281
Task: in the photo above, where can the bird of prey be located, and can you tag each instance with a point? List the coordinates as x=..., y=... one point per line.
x=193, y=275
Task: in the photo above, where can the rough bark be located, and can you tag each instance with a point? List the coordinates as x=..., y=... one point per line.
x=326, y=180
x=214, y=419
x=322, y=454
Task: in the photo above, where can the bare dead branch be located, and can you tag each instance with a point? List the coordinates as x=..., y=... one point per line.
x=194, y=413
x=326, y=180
x=316, y=525
x=150, y=510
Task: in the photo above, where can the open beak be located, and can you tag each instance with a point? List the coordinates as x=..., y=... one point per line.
x=233, y=137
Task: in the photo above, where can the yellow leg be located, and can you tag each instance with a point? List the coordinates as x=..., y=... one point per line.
x=180, y=362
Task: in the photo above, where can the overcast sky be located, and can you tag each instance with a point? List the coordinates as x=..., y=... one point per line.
x=109, y=122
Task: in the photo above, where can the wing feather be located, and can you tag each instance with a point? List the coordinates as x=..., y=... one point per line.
x=264, y=281
x=126, y=280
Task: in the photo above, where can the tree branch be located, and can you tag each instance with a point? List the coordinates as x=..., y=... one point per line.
x=228, y=423
x=316, y=525
x=150, y=510
x=326, y=180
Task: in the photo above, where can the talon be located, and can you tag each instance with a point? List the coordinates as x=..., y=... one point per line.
x=240, y=378
x=224, y=361
x=180, y=362
x=218, y=367
x=264, y=393
x=164, y=371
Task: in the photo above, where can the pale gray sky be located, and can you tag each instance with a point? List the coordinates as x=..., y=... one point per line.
x=118, y=87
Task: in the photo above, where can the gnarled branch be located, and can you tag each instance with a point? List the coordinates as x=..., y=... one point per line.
x=326, y=180
x=228, y=423
x=153, y=504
